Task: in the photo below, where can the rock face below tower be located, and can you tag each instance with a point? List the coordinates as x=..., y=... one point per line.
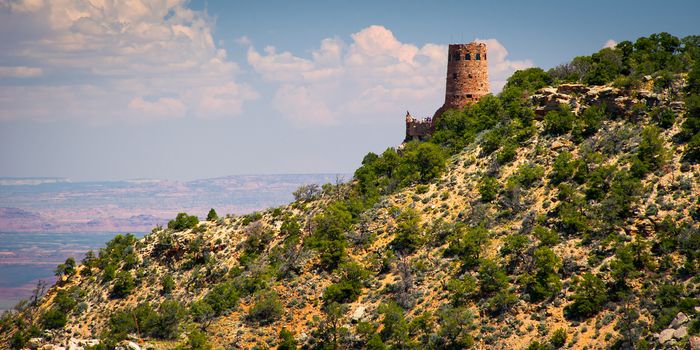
x=467, y=81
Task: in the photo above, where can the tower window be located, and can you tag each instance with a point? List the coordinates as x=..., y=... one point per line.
x=454, y=75
x=469, y=95
x=468, y=56
x=478, y=56
x=484, y=56
x=470, y=75
x=456, y=56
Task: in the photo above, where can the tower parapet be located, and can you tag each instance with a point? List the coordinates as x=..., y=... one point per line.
x=417, y=129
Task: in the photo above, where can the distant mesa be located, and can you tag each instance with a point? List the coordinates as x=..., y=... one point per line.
x=20, y=181
x=466, y=82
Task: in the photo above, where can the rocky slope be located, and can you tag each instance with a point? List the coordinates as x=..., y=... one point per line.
x=584, y=235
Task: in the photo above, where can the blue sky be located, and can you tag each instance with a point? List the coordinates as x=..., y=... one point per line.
x=97, y=90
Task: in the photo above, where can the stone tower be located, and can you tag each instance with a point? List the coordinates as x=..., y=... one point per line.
x=467, y=76
x=467, y=81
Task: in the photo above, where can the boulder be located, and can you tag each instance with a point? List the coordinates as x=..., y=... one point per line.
x=666, y=335
x=301, y=337
x=90, y=342
x=128, y=345
x=569, y=89
x=680, y=319
x=34, y=343
x=358, y=314
x=557, y=145
x=694, y=343
x=681, y=332
x=546, y=91
x=74, y=344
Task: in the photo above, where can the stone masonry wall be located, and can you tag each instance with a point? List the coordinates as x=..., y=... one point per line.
x=467, y=76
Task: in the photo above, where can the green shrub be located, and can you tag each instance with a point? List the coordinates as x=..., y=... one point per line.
x=693, y=83
x=170, y=314
x=290, y=227
x=196, y=340
x=267, y=308
x=306, y=193
x=558, y=338
x=212, y=216
x=651, y=153
x=408, y=236
x=546, y=236
x=528, y=175
x=492, y=278
x=168, y=284
x=588, y=122
x=395, y=326
x=491, y=141
x=559, y=122
x=161, y=324
x=222, y=297
x=349, y=288
x=589, y=297
x=422, y=189
x=257, y=239
x=530, y=80
x=545, y=281
x=328, y=237
x=420, y=163
x=54, y=318
x=461, y=289
x=488, y=188
x=123, y=285
x=468, y=243
x=66, y=299
x=455, y=325
x=563, y=168
x=535, y=345
x=108, y=273
x=692, y=150
x=287, y=341
x=183, y=222
x=202, y=313
x=65, y=269
x=507, y=153
x=252, y=217
x=664, y=117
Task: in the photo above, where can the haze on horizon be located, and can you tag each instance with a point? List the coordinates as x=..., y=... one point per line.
x=100, y=90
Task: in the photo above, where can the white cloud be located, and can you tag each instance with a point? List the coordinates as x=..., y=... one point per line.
x=500, y=67
x=610, y=44
x=20, y=72
x=243, y=40
x=163, y=107
x=136, y=59
x=375, y=77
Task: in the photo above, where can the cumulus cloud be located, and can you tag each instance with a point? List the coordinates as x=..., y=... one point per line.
x=610, y=44
x=163, y=107
x=375, y=77
x=134, y=59
x=500, y=67
x=20, y=72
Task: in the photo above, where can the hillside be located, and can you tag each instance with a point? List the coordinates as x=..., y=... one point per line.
x=562, y=213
